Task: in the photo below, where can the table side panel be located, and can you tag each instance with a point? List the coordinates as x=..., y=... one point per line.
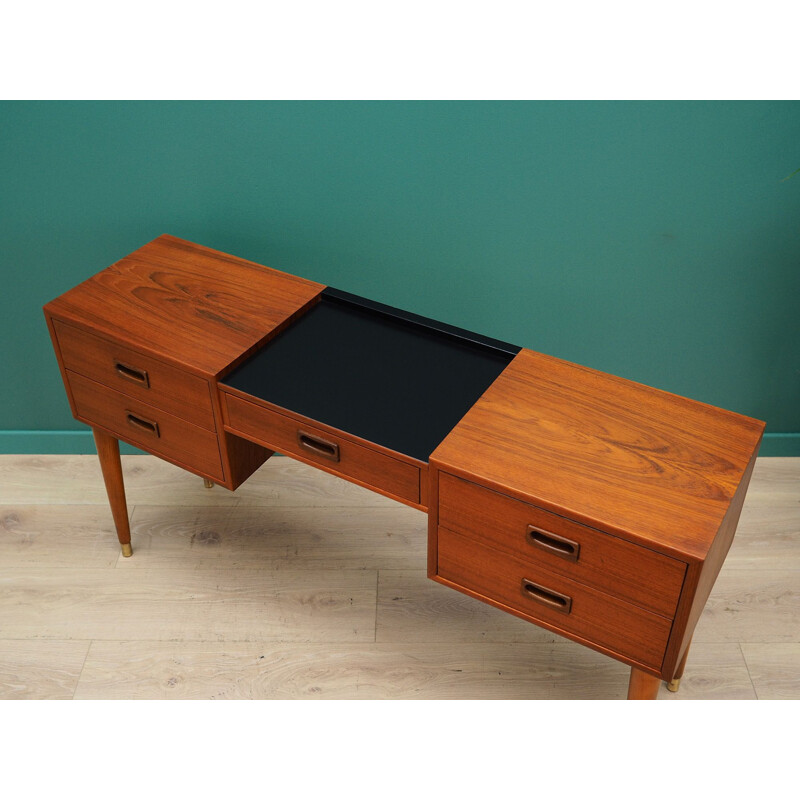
x=701, y=577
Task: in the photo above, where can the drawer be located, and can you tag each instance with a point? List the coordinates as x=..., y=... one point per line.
x=147, y=379
x=540, y=538
x=322, y=447
x=568, y=607
x=145, y=426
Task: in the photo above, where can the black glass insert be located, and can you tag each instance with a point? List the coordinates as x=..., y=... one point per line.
x=385, y=375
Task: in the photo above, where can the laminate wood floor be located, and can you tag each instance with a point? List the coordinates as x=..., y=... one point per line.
x=301, y=585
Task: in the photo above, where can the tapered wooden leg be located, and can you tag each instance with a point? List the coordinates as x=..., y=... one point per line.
x=108, y=452
x=675, y=683
x=208, y=484
x=643, y=685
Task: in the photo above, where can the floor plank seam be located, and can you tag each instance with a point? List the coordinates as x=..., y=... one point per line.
x=747, y=667
x=753, y=605
x=377, y=590
x=83, y=667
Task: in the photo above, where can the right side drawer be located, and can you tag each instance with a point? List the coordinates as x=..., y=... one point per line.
x=650, y=580
x=139, y=376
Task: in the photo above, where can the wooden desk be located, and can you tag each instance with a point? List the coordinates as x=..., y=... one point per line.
x=587, y=504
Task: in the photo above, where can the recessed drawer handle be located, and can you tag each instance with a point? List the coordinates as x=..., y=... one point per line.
x=555, y=600
x=132, y=374
x=553, y=543
x=317, y=446
x=143, y=425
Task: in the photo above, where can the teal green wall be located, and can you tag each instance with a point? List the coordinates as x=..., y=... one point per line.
x=652, y=240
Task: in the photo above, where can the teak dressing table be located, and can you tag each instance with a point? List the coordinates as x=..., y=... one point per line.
x=587, y=504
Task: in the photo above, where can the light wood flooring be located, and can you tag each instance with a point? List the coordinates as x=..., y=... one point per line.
x=301, y=585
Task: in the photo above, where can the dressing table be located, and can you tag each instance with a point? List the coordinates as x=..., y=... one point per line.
x=593, y=506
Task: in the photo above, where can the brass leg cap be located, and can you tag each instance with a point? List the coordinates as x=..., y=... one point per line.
x=127, y=550
x=673, y=685
x=208, y=484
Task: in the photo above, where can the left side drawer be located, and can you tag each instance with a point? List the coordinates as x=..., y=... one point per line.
x=136, y=375
x=145, y=426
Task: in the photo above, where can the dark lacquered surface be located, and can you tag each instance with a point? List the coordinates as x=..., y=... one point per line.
x=394, y=382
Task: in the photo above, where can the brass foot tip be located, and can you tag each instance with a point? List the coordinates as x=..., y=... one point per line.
x=127, y=550
x=674, y=684
x=208, y=484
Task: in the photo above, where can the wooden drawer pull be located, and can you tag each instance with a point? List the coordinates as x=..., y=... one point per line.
x=132, y=374
x=317, y=446
x=553, y=543
x=143, y=425
x=555, y=600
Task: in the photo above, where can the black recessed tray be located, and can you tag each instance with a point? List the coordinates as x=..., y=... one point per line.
x=387, y=376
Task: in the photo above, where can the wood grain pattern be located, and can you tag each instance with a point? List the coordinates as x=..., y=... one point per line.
x=31, y=670
x=776, y=476
x=642, y=686
x=365, y=465
x=752, y=605
x=768, y=535
x=596, y=619
x=665, y=476
x=658, y=469
x=276, y=539
x=173, y=390
x=774, y=669
x=173, y=299
x=191, y=670
x=187, y=605
x=412, y=608
x=192, y=447
x=682, y=663
x=57, y=536
x=700, y=580
x=715, y=672
x=432, y=642
x=76, y=479
x=52, y=669
x=240, y=458
x=606, y=562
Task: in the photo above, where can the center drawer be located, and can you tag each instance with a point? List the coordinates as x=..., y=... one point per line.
x=637, y=574
x=322, y=447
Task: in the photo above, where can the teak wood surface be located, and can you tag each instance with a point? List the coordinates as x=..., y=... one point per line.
x=130, y=419
x=648, y=486
x=652, y=467
x=185, y=303
x=595, y=618
x=144, y=378
x=630, y=572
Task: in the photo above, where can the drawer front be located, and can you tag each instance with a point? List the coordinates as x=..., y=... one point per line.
x=136, y=375
x=145, y=426
x=606, y=562
x=320, y=446
x=544, y=597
